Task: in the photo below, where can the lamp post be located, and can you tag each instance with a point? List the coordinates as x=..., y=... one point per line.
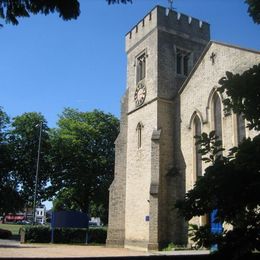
x=37, y=173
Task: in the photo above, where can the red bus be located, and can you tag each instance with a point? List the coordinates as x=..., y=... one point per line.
x=14, y=217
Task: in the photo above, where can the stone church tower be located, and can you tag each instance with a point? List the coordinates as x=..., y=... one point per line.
x=161, y=50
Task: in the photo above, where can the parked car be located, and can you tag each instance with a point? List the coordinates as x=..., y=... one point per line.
x=92, y=224
x=23, y=222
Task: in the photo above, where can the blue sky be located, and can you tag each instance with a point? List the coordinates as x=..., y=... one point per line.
x=48, y=64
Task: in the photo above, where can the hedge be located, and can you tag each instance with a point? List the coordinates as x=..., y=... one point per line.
x=42, y=234
x=5, y=234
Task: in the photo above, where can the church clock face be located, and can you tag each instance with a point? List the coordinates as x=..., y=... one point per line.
x=140, y=94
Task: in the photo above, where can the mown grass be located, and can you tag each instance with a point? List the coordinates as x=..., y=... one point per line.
x=14, y=228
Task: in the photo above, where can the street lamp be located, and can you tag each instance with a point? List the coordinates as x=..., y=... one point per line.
x=37, y=172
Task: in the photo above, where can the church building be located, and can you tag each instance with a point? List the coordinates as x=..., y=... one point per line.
x=173, y=71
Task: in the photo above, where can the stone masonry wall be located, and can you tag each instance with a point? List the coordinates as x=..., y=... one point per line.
x=117, y=191
x=196, y=97
x=157, y=35
x=138, y=177
x=148, y=175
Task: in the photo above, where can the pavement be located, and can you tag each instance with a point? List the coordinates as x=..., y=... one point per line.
x=13, y=249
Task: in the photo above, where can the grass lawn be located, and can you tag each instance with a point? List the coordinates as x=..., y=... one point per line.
x=14, y=228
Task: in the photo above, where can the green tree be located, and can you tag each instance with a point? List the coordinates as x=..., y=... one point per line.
x=254, y=10
x=83, y=158
x=241, y=98
x=11, y=10
x=64, y=200
x=10, y=199
x=24, y=143
x=231, y=184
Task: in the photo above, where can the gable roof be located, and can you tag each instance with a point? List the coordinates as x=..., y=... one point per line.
x=203, y=55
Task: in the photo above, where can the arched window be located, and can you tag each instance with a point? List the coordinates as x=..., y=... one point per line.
x=141, y=67
x=241, y=129
x=197, y=159
x=217, y=115
x=139, y=134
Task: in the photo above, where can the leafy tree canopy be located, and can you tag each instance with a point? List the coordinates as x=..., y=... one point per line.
x=11, y=10
x=24, y=143
x=254, y=10
x=241, y=98
x=10, y=199
x=83, y=158
x=64, y=200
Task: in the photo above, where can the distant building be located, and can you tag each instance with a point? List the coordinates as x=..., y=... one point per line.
x=94, y=222
x=40, y=215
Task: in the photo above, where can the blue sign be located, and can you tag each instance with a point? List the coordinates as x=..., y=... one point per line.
x=69, y=219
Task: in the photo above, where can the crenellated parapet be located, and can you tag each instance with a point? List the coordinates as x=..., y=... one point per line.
x=164, y=19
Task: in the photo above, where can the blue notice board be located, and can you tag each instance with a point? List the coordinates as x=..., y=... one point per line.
x=68, y=219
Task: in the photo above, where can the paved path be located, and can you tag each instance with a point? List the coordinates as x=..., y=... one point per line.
x=13, y=249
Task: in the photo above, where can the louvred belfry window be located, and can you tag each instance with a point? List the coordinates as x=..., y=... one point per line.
x=141, y=68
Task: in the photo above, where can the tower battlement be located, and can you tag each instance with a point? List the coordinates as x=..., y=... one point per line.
x=169, y=21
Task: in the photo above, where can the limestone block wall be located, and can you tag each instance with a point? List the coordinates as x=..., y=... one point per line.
x=117, y=191
x=148, y=46
x=168, y=20
x=157, y=35
x=169, y=82
x=138, y=176
x=166, y=163
x=138, y=172
x=196, y=96
x=174, y=31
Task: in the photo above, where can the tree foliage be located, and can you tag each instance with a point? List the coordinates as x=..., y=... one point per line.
x=83, y=158
x=10, y=199
x=24, y=143
x=64, y=200
x=241, y=98
x=254, y=10
x=11, y=10
x=77, y=156
x=231, y=184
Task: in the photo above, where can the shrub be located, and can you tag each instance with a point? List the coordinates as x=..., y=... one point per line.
x=69, y=235
x=97, y=235
x=4, y=234
x=42, y=234
x=37, y=234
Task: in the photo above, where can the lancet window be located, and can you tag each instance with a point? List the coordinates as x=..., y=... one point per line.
x=139, y=134
x=217, y=115
x=197, y=157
